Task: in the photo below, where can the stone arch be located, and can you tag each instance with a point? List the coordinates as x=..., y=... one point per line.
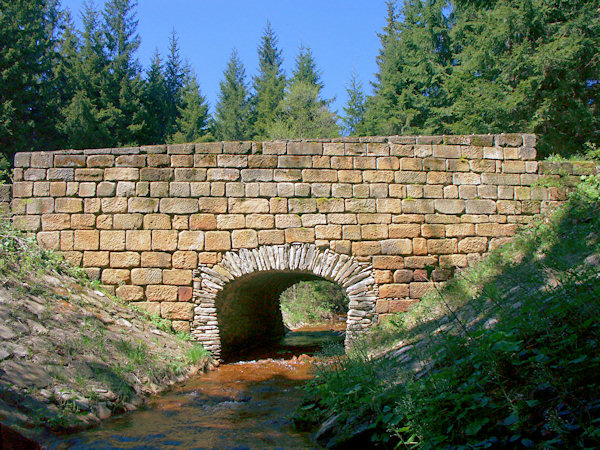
x=273, y=268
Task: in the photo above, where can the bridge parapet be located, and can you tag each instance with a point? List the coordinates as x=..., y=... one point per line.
x=141, y=219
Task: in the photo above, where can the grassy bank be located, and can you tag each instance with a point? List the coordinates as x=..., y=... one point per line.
x=504, y=355
x=72, y=355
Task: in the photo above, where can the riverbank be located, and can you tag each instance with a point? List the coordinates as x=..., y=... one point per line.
x=72, y=355
x=504, y=355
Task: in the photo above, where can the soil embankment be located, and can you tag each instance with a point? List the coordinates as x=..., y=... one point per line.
x=71, y=356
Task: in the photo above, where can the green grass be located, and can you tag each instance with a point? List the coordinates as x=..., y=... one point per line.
x=507, y=354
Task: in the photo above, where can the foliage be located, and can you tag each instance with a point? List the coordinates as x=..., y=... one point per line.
x=196, y=354
x=191, y=123
x=355, y=108
x=269, y=84
x=503, y=355
x=233, y=107
x=312, y=302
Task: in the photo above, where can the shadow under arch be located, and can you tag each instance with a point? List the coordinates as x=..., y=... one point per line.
x=237, y=299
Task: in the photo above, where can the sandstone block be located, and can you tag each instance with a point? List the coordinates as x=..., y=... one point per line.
x=480, y=207
x=260, y=221
x=418, y=290
x=191, y=174
x=460, y=230
x=124, y=260
x=127, y=221
x=299, y=235
x=448, y=206
x=328, y=232
x=185, y=260
x=152, y=308
x=244, y=239
x=161, y=293
x=388, y=262
x=60, y=174
x=130, y=293
x=394, y=291
x=404, y=230
x=178, y=277
x=156, y=259
x=319, y=176
x=49, y=240
x=106, y=189
x=178, y=205
x=203, y=222
x=453, y=261
x=389, y=205
x=145, y=276
x=351, y=232
x=86, y=240
x=138, y=240
x=360, y=205
x=155, y=174
x=68, y=205
x=122, y=174
x=248, y=205
x=217, y=241
x=278, y=206
x=164, y=240
x=158, y=160
x=176, y=310
x=271, y=237
x=112, y=240
x=262, y=161
x=69, y=161
x=396, y=247
x=115, y=276
x=366, y=248
x=367, y=218
x=249, y=175
x=96, y=259
x=191, y=240
x=304, y=148
x=114, y=205
x=54, y=222
x=223, y=174
x=442, y=246
x=418, y=206
x=37, y=205
x=369, y=232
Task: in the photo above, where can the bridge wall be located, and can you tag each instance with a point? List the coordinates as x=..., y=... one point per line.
x=142, y=219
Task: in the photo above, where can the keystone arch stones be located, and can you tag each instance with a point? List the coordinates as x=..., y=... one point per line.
x=280, y=266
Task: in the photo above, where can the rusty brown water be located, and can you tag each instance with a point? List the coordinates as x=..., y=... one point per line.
x=246, y=404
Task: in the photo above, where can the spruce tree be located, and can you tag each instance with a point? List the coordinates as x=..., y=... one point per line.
x=414, y=62
x=355, y=108
x=82, y=118
x=270, y=83
x=28, y=51
x=122, y=91
x=306, y=69
x=174, y=81
x=156, y=105
x=233, y=109
x=528, y=66
x=192, y=121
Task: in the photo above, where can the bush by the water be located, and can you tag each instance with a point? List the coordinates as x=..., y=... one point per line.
x=507, y=354
x=309, y=302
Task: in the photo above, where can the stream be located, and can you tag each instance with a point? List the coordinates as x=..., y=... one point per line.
x=244, y=404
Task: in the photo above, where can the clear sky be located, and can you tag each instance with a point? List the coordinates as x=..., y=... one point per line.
x=341, y=33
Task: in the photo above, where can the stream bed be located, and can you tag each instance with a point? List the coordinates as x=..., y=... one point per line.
x=244, y=404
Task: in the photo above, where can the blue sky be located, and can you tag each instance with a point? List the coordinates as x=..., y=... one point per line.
x=342, y=35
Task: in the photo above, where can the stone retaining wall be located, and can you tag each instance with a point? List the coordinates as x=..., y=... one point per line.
x=142, y=219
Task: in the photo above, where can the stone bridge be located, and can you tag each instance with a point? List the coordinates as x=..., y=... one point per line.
x=209, y=234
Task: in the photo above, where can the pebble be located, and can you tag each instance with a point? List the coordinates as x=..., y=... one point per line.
x=102, y=411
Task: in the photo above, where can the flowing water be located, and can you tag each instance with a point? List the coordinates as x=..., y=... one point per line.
x=246, y=404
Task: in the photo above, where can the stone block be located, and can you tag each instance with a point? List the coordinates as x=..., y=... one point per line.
x=164, y=240
x=161, y=293
x=49, y=240
x=34, y=174
x=96, y=259
x=222, y=174
x=203, y=222
x=125, y=260
x=368, y=232
x=409, y=177
x=319, y=176
x=366, y=248
x=113, y=240
x=418, y=290
x=271, y=237
x=238, y=147
x=453, y=261
x=122, y=174
x=244, y=239
x=388, y=262
x=509, y=140
x=185, y=260
x=69, y=161
x=138, y=240
x=230, y=221
x=86, y=240
x=145, y=276
x=389, y=205
x=248, y=205
x=23, y=159
x=152, y=308
x=55, y=222
x=442, y=246
x=396, y=247
x=127, y=221
x=177, y=277
x=278, y=206
x=40, y=189
x=304, y=148
x=262, y=161
x=404, y=230
x=158, y=160
x=176, y=310
x=493, y=153
x=299, y=235
x=460, y=229
x=260, y=221
x=68, y=205
x=22, y=189
x=217, y=240
x=130, y=293
x=156, y=259
x=184, y=294
x=360, y=205
x=480, y=207
x=417, y=206
x=115, y=276
x=154, y=174
x=350, y=176
x=113, y=205
x=191, y=174
x=394, y=291
x=191, y=240
x=38, y=205
x=178, y=205
x=60, y=174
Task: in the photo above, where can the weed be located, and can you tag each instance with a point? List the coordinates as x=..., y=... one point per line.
x=196, y=354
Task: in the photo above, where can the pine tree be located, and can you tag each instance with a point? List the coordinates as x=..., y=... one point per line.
x=270, y=83
x=28, y=50
x=174, y=81
x=192, y=121
x=156, y=105
x=232, y=110
x=355, y=108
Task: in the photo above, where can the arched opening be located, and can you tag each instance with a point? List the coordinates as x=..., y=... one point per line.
x=237, y=300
